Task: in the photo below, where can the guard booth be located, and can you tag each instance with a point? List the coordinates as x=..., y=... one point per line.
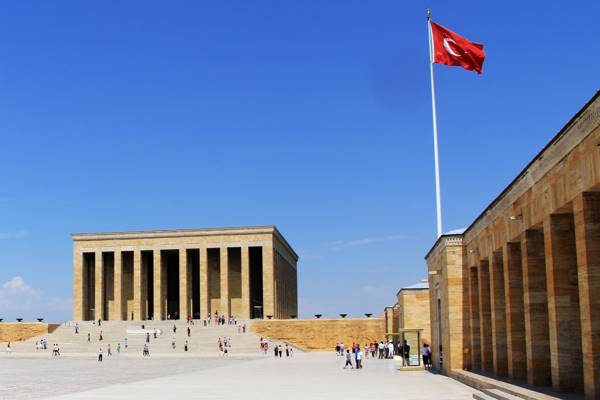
x=407, y=348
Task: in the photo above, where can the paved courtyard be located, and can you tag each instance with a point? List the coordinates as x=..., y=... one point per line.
x=305, y=376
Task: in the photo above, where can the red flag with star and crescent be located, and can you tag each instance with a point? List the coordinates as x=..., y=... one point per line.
x=452, y=49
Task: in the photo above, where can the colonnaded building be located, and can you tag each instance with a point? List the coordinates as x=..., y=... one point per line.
x=517, y=294
x=174, y=274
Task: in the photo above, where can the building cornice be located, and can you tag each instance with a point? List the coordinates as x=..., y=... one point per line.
x=445, y=241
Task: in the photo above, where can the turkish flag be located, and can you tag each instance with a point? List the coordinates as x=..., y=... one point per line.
x=452, y=49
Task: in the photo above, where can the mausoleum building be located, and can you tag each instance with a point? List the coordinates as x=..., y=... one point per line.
x=247, y=272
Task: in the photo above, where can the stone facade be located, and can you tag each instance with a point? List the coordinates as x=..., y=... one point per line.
x=519, y=291
x=322, y=334
x=246, y=272
x=17, y=331
x=413, y=310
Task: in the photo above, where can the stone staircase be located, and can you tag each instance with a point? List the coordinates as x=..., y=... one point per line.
x=203, y=340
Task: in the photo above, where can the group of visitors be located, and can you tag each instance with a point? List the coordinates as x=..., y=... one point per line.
x=264, y=345
x=224, y=346
x=220, y=319
x=358, y=356
x=55, y=350
x=41, y=344
x=278, y=351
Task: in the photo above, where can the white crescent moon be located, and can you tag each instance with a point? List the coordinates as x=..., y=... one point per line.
x=447, y=47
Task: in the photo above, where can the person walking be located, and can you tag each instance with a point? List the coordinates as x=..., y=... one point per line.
x=147, y=337
x=76, y=328
x=173, y=342
x=359, y=357
x=125, y=342
x=100, y=334
x=189, y=332
x=100, y=355
x=8, y=349
x=155, y=333
x=348, y=360
x=108, y=352
x=146, y=352
x=89, y=338
x=118, y=348
x=174, y=328
x=185, y=347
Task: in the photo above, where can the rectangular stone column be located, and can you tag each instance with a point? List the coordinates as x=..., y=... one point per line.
x=515, y=318
x=245, y=283
x=137, y=285
x=118, y=286
x=80, y=288
x=498, y=307
x=184, y=285
x=225, y=299
x=157, y=276
x=485, y=317
x=204, y=293
x=535, y=307
x=586, y=209
x=268, y=280
x=474, y=318
x=563, y=302
x=99, y=291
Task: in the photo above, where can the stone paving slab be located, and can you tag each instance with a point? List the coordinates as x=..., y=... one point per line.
x=305, y=376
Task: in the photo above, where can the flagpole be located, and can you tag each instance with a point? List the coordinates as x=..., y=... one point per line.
x=438, y=196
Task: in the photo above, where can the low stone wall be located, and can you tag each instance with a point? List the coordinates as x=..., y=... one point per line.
x=321, y=334
x=16, y=331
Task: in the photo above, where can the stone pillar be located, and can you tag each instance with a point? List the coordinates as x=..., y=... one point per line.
x=245, y=283
x=225, y=299
x=99, y=291
x=268, y=280
x=563, y=302
x=535, y=307
x=586, y=209
x=485, y=317
x=137, y=285
x=498, y=307
x=515, y=318
x=157, y=276
x=118, y=286
x=474, y=323
x=204, y=293
x=184, y=285
x=80, y=287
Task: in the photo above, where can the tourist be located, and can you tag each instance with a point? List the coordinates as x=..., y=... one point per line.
x=100, y=334
x=8, y=349
x=276, y=350
x=287, y=351
x=125, y=342
x=348, y=359
x=99, y=322
x=358, y=358
x=406, y=353
x=146, y=352
x=185, y=347
x=173, y=342
x=390, y=350
x=119, y=348
x=280, y=351
x=76, y=328
x=189, y=332
x=244, y=327
x=100, y=353
x=89, y=339
x=147, y=337
x=155, y=333
x=426, y=355
x=366, y=351
x=45, y=343
x=356, y=351
x=380, y=348
x=108, y=352
x=174, y=328
x=342, y=348
x=209, y=318
x=337, y=349
x=291, y=352
x=239, y=329
x=37, y=345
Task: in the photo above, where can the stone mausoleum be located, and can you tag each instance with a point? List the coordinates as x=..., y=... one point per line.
x=517, y=294
x=246, y=272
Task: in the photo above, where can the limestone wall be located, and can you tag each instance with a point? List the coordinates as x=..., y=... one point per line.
x=322, y=334
x=16, y=331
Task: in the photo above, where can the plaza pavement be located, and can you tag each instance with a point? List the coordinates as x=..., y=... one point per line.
x=305, y=376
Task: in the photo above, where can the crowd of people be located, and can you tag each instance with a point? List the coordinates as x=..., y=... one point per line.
x=381, y=351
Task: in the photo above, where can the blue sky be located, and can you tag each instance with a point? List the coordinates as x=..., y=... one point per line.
x=313, y=116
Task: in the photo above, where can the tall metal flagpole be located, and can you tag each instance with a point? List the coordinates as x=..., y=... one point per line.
x=438, y=196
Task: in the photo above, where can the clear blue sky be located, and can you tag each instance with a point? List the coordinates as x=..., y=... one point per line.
x=313, y=116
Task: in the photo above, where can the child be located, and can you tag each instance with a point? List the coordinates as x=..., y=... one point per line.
x=348, y=359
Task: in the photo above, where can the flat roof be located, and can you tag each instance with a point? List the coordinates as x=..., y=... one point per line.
x=247, y=230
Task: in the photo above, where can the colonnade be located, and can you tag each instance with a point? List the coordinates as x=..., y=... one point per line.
x=534, y=302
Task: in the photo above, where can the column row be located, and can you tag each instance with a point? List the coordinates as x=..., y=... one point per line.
x=174, y=284
x=535, y=303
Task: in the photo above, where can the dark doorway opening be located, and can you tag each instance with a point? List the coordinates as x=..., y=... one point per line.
x=171, y=258
x=193, y=257
x=89, y=282
x=148, y=278
x=255, y=261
